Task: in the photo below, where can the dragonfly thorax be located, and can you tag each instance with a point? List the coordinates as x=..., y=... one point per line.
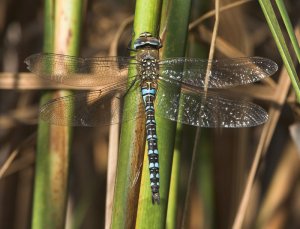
x=148, y=67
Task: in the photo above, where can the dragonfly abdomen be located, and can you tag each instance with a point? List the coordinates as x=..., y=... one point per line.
x=148, y=89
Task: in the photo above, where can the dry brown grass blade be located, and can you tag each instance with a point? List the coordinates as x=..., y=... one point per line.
x=221, y=45
x=8, y=162
x=122, y=27
x=282, y=183
x=266, y=136
x=272, y=214
x=212, y=13
x=23, y=81
x=227, y=49
x=29, y=81
x=261, y=92
x=113, y=147
x=26, y=115
x=23, y=162
x=213, y=42
x=6, y=165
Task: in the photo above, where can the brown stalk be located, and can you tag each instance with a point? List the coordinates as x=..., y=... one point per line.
x=266, y=136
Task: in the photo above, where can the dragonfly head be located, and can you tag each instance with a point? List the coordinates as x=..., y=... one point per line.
x=147, y=40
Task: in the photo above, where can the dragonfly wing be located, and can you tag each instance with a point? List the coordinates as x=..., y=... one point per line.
x=208, y=109
x=81, y=72
x=223, y=73
x=94, y=108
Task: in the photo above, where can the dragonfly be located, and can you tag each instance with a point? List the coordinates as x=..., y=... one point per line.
x=181, y=83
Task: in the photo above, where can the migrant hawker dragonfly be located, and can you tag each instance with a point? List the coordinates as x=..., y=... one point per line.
x=179, y=81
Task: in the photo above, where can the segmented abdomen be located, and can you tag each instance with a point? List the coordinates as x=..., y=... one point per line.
x=148, y=89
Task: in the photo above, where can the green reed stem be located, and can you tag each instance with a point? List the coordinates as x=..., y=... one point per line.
x=53, y=146
x=281, y=44
x=289, y=27
x=132, y=141
x=174, y=30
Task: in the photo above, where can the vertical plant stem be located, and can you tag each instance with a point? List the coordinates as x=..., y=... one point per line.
x=174, y=182
x=62, y=27
x=289, y=27
x=198, y=131
x=132, y=141
x=114, y=132
x=174, y=30
x=174, y=40
x=269, y=13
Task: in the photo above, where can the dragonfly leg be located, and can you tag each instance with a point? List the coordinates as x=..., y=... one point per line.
x=131, y=85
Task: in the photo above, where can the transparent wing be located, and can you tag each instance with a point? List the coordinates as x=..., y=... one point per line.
x=81, y=72
x=104, y=107
x=208, y=109
x=94, y=108
x=100, y=71
x=223, y=73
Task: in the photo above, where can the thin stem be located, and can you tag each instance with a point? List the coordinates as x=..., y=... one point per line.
x=289, y=27
x=198, y=131
x=281, y=44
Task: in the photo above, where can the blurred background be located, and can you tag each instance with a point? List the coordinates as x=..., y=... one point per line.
x=224, y=159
